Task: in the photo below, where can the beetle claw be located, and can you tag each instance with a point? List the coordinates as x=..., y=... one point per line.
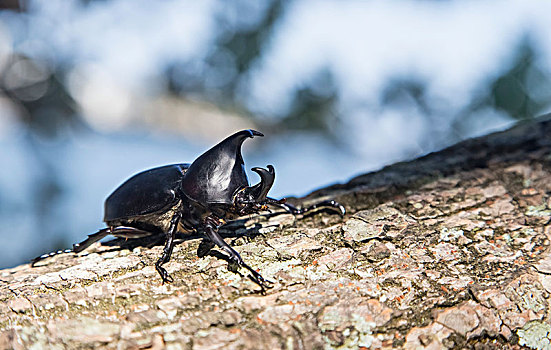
x=165, y=277
x=262, y=283
x=255, y=276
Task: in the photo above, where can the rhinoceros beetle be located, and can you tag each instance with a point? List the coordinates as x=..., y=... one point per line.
x=200, y=197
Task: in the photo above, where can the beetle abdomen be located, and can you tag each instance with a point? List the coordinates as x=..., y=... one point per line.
x=148, y=192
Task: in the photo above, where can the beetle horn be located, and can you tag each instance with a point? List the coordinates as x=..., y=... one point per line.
x=267, y=177
x=219, y=172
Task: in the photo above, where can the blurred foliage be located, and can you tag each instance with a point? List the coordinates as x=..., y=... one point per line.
x=45, y=107
x=240, y=40
x=47, y=113
x=244, y=30
x=241, y=44
x=227, y=67
x=522, y=91
x=314, y=106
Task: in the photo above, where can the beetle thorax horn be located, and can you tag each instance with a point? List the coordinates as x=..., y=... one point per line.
x=219, y=173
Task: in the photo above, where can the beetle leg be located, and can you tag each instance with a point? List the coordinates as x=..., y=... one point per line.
x=129, y=232
x=291, y=209
x=167, y=251
x=211, y=231
x=93, y=238
x=327, y=204
x=77, y=247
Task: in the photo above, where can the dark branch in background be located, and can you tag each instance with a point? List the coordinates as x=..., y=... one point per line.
x=238, y=44
x=314, y=107
x=13, y=5
x=523, y=90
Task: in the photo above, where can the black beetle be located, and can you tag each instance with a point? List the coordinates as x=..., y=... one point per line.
x=200, y=196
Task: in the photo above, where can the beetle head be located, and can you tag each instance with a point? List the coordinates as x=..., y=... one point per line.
x=252, y=199
x=219, y=173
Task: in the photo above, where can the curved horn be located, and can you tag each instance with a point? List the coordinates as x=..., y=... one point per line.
x=267, y=178
x=219, y=172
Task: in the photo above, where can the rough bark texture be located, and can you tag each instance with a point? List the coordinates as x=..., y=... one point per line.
x=451, y=250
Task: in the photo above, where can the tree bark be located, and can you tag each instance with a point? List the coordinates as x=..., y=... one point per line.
x=451, y=250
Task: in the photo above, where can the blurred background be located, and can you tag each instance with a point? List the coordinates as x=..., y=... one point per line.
x=92, y=92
